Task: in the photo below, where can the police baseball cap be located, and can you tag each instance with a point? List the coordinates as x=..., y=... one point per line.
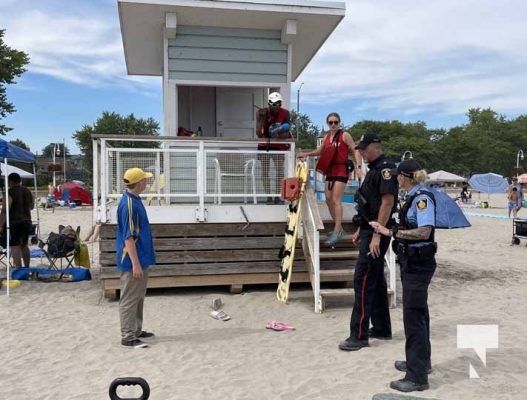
x=406, y=168
x=134, y=175
x=367, y=139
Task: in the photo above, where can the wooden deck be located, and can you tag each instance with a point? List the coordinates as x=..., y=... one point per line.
x=214, y=254
x=206, y=254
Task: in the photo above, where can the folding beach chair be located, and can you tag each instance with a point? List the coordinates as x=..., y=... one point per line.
x=61, y=247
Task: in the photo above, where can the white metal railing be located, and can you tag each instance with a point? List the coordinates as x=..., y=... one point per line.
x=201, y=172
x=311, y=226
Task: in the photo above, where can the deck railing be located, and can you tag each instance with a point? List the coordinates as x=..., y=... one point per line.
x=195, y=171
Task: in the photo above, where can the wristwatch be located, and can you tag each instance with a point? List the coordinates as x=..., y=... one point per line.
x=394, y=231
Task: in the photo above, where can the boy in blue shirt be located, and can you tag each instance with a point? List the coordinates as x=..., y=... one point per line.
x=135, y=254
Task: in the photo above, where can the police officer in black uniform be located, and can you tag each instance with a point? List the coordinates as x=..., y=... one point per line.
x=415, y=248
x=376, y=201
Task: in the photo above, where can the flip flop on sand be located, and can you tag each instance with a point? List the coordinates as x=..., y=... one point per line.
x=220, y=315
x=279, y=326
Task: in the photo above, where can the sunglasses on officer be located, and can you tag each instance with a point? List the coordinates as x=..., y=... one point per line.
x=275, y=104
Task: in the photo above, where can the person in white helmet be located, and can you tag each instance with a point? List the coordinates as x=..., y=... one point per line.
x=272, y=123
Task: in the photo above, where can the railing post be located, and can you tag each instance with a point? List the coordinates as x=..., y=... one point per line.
x=201, y=170
x=96, y=180
x=316, y=266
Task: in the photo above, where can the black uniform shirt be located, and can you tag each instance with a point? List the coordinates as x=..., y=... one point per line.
x=378, y=181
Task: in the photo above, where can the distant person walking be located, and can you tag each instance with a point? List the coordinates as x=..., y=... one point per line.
x=20, y=203
x=135, y=254
x=512, y=202
x=519, y=197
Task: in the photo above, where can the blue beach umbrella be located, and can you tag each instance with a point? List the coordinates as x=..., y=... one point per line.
x=488, y=183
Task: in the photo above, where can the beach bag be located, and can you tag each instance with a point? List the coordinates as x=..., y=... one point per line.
x=325, y=161
x=82, y=256
x=291, y=188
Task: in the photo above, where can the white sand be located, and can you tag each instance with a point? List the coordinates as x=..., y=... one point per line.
x=61, y=340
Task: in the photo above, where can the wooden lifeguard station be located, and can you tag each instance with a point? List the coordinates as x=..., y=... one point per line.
x=218, y=61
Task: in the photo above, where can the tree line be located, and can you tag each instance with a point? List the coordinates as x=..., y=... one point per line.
x=488, y=142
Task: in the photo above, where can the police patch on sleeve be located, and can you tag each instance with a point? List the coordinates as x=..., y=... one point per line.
x=422, y=204
x=386, y=174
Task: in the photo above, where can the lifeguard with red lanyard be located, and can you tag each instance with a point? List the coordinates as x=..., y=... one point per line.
x=273, y=122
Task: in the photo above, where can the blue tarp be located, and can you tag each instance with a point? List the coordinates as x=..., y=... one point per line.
x=15, y=153
x=51, y=275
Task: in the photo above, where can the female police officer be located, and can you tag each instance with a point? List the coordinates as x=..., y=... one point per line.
x=415, y=248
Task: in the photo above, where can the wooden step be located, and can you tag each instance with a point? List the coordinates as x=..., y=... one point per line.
x=341, y=292
x=336, y=292
x=334, y=275
x=339, y=254
x=333, y=293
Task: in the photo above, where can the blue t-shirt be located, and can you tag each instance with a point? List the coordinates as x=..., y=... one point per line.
x=421, y=211
x=132, y=221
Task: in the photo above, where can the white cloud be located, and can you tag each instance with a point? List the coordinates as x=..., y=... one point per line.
x=407, y=56
x=437, y=57
x=75, y=41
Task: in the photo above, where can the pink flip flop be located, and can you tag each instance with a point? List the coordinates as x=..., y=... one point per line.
x=279, y=326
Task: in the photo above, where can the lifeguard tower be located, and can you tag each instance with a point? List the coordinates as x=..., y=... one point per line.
x=218, y=60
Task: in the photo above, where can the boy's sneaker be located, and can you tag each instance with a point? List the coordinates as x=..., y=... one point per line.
x=146, y=335
x=134, y=343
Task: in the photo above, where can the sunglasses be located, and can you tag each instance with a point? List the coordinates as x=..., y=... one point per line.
x=277, y=104
x=333, y=122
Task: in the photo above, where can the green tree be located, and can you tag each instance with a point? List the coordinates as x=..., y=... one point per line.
x=20, y=143
x=111, y=123
x=304, y=131
x=59, y=150
x=12, y=64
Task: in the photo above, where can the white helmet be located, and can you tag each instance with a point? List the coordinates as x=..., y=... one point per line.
x=275, y=97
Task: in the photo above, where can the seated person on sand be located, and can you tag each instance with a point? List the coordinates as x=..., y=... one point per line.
x=465, y=194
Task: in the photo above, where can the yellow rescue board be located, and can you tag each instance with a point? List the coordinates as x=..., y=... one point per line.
x=287, y=252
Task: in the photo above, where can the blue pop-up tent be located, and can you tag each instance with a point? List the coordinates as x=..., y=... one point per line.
x=9, y=153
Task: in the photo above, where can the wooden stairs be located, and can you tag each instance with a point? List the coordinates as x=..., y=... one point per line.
x=338, y=265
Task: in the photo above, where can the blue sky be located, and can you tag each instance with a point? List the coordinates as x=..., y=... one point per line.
x=408, y=60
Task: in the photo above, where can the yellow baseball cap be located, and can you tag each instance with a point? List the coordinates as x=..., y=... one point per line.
x=134, y=175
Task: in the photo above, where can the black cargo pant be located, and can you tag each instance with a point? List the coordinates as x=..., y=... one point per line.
x=416, y=274
x=371, y=291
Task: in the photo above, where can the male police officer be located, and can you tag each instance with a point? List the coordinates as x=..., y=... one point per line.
x=376, y=200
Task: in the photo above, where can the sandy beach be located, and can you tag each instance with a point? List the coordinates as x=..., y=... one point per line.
x=61, y=340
